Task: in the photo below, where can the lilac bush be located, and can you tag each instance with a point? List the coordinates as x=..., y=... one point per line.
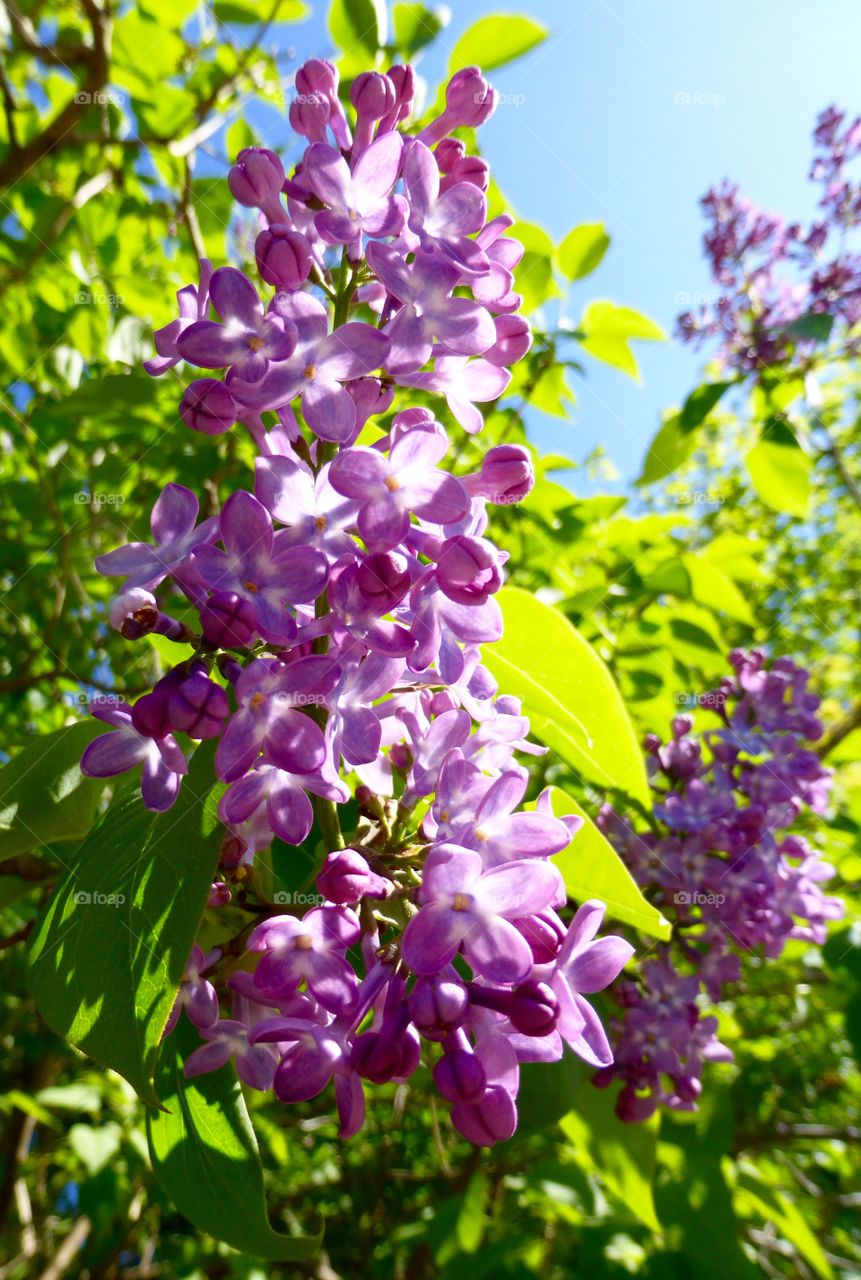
x=335, y=616
x=724, y=866
x=776, y=276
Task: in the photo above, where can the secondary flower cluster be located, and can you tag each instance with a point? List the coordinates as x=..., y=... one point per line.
x=723, y=865
x=335, y=615
x=775, y=276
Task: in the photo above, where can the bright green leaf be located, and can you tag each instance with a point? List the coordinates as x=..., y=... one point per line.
x=568, y=693
x=206, y=1159
x=781, y=476
x=608, y=330
x=43, y=794
x=583, y=249
x=591, y=868
x=108, y=955
x=495, y=40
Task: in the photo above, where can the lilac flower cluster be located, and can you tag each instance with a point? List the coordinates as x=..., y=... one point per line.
x=723, y=865
x=775, y=275
x=338, y=612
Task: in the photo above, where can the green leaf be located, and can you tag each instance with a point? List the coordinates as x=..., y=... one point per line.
x=43, y=794
x=781, y=476
x=700, y=403
x=623, y=1155
x=415, y=26
x=533, y=276
x=816, y=325
x=206, y=1159
x=583, y=249
x=472, y=1220
x=711, y=587
x=670, y=448
x=568, y=693
x=591, y=868
x=495, y=40
x=608, y=330
x=107, y=956
x=752, y=1194
x=358, y=27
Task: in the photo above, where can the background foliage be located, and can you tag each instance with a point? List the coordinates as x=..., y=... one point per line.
x=745, y=527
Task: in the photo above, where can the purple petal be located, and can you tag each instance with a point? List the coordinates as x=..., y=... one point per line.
x=174, y=514
x=246, y=528
x=285, y=488
x=329, y=410
x=518, y=888
x=432, y=937
x=212, y=346
x=290, y=814
x=159, y=784
x=295, y=742
x=376, y=171
x=421, y=178
x=209, y=1057
x=332, y=981
x=328, y=175
x=352, y=350
x=358, y=473
x=497, y=951
x=599, y=964
x=113, y=753
x=234, y=297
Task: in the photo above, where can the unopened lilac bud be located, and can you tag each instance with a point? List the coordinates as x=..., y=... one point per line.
x=468, y=570
x=256, y=179
x=283, y=257
x=320, y=76
x=134, y=613
x=233, y=850
x=448, y=154
x=403, y=79
x=228, y=620
x=459, y=1076
x=151, y=713
x=199, y=706
x=400, y=757
x=309, y=115
x=544, y=932
x=373, y=95
x=371, y=397
x=506, y=474
x=346, y=878
x=219, y=894
x=682, y=725
x=513, y=340
x=383, y=579
x=533, y=1009
x=472, y=169
x=469, y=99
x=208, y=407
x=438, y=1006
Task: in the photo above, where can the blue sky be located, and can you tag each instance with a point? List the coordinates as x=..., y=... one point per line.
x=625, y=115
